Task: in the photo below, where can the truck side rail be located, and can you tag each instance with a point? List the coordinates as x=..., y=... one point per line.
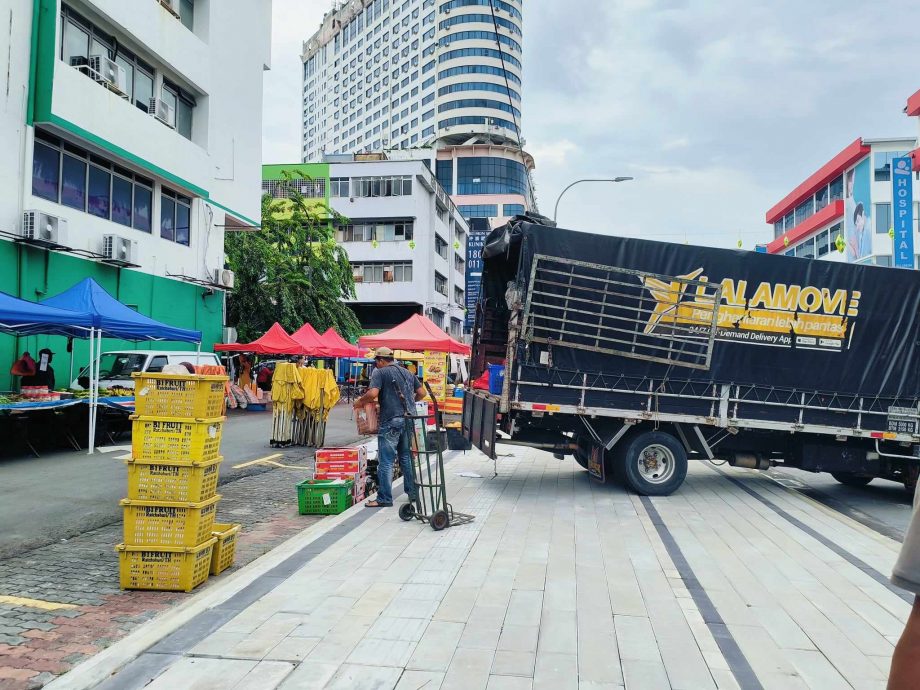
x=725, y=405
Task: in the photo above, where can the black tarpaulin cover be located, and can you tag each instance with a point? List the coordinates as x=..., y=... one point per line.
x=784, y=322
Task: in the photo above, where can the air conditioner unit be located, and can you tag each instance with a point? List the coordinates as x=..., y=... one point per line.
x=109, y=73
x=43, y=229
x=224, y=277
x=119, y=250
x=171, y=6
x=163, y=112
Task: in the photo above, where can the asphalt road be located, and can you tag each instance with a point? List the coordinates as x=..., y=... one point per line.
x=62, y=494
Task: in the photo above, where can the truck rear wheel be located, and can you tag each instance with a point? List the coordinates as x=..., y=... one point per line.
x=850, y=479
x=654, y=464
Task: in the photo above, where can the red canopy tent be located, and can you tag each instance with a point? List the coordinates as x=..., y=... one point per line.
x=337, y=346
x=311, y=341
x=276, y=341
x=416, y=333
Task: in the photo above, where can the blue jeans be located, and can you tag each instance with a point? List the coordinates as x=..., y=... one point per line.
x=394, y=438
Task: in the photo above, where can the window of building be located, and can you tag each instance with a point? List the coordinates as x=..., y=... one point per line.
x=338, y=187
x=445, y=175
x=187, y=14
x=440, y=246
x=513, y=209
x=804, y=210
x=182, y=103
x=400, y=185
x=459, y=263
x=789, y=220
x=382, y=272
x=437, y=316
x=379, y=230
x=479, y=103
x=440, y=284
x=479, y=52
x=497, y=4
x=481, y=35
x=821, y=199
x=478, y=210
x=882, y=218
x=836, y=189
x=489, y=175
x=175, y=216
x=883, y=164
x=70, y=176
x=458, y=295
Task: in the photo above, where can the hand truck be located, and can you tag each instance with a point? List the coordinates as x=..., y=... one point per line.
x=431, y=504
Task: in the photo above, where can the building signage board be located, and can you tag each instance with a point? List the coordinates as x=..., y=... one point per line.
x=902, y=212
x=479, y=230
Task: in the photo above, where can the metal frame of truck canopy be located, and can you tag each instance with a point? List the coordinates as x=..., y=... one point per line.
x=655, y=334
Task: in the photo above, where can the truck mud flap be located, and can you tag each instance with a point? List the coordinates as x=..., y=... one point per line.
x=480, y=419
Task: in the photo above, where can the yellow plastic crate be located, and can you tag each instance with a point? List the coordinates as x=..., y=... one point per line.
x=186, y=396
x=176, y=440
x=225, y=549
x=168, y=523
x=152, y=480
x=164, y=568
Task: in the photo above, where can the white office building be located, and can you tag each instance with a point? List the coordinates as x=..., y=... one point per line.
x=441, y=79
x=131, y=138
x=406, y=241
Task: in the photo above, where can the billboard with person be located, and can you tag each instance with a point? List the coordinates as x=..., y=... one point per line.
x=857, y=228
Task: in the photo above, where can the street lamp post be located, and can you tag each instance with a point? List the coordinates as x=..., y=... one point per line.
x=602, y=179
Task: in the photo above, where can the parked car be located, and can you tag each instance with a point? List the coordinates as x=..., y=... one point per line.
x=115, y=368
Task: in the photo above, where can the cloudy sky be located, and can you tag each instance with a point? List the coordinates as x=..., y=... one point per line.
x=716, y=111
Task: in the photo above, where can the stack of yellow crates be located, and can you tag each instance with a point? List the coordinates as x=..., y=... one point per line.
x=172, y=542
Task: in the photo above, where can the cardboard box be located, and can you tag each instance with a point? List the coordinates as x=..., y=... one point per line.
x=351, y=453
x=350, y=466
x=322, y=473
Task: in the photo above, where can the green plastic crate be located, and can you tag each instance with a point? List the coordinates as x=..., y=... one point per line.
x=312, y=492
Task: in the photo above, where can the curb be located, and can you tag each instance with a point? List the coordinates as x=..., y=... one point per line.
x=108, y=662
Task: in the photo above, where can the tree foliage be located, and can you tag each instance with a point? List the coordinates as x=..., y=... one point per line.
x=291, y=270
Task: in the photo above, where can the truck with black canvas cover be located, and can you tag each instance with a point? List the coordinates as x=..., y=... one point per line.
x=635, y=356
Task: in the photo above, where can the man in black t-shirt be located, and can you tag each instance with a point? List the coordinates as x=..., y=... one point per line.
x=397, y=390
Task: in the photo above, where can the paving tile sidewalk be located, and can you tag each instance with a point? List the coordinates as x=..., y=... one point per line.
x=559, y=583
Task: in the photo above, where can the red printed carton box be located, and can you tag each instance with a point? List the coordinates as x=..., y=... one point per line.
x=350, y=454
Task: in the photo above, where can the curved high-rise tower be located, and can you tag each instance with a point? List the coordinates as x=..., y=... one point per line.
x=435, y=79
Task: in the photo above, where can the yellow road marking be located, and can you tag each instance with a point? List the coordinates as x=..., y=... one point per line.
x=269, y=460
x=278, y=464
x=35, y=603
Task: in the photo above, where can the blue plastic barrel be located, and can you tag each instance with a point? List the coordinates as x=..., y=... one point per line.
x=496, y=378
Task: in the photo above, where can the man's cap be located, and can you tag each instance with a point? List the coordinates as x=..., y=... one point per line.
x=384, y=352
x=44, y=350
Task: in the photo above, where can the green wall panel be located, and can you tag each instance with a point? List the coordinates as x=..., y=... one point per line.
x=34, y=274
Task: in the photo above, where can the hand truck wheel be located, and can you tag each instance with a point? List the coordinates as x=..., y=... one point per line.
x=440, y=520
x=406, y=511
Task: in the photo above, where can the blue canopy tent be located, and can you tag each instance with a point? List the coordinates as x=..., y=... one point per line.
x=21, y=317
x=115, y=319
x=109, y=318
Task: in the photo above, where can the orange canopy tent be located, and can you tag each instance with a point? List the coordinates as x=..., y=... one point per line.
x=415, y=333
x=276, y=341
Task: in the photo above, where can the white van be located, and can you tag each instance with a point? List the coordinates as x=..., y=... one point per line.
x=115, y=368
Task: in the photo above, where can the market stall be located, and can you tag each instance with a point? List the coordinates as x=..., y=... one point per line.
x=275, y=341
x=106, y=317
x=419, y=334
